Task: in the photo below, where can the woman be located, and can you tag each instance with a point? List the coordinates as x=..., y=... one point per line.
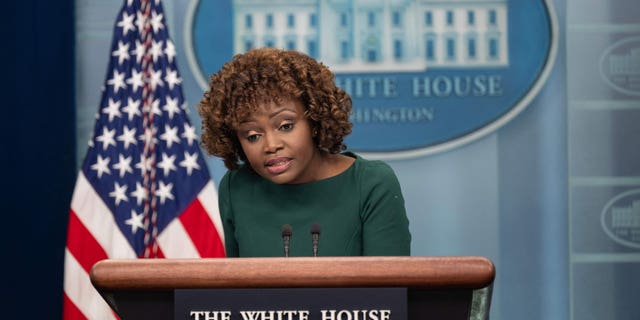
x=278, y=121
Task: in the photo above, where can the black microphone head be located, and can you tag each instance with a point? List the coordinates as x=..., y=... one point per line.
x=286, y=230
x=315, y=228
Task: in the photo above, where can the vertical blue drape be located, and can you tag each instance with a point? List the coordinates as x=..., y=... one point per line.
x=38, y=152
x=534, y=247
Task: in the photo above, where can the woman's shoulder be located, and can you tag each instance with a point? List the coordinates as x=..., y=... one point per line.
x=239, y=176
x=370, y=166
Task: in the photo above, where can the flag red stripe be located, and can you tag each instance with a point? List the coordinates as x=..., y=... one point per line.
x=202, y=231
x=70, y=311
x=82, y=244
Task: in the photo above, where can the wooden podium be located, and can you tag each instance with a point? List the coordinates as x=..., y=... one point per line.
x=437, y=287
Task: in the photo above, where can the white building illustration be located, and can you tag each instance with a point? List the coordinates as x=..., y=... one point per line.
x=379, y=35
x=626, y=217
x=625, y=64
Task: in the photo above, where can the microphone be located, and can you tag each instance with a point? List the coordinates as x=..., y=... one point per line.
x=315, y=234
x=286, y=237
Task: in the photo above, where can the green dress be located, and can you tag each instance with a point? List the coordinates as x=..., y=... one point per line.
x=360, y=212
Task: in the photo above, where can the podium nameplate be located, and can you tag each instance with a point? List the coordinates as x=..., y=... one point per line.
x=387, y=303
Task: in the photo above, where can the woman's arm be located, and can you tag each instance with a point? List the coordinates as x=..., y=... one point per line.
x=385, y=230
x=226, y=214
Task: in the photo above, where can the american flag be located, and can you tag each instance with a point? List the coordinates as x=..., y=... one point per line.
x=144, y=190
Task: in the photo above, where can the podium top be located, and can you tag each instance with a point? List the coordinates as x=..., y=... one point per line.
x=464, y=272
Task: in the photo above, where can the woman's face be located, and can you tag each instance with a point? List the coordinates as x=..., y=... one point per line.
x=278, y=143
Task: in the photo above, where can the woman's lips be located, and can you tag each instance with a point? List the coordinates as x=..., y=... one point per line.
x=278, y=165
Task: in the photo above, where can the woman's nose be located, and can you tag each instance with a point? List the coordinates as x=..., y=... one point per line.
x=272, y=142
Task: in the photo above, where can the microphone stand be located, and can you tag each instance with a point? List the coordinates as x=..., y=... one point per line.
x=315, y=235
x=286, y=237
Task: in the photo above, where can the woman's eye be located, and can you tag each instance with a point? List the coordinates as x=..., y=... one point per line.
x=286, y=127
x=253, y=137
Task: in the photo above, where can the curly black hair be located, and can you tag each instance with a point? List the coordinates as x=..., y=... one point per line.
x=266, y=75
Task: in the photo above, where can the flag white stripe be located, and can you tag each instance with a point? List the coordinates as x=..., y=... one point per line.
x=78, y=288
x=175, y=242
x=208, y=197
x=97, y=217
